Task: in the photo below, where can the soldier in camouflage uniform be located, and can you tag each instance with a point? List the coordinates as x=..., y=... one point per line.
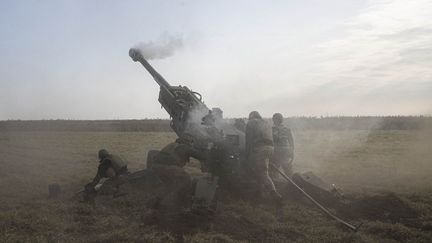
x=283, y=146
x=259, y=149
x=209, y=123
x=240, y=124
x=110, y=166
x=209, y=119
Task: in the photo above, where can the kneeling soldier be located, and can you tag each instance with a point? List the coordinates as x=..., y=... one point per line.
x=111, y=167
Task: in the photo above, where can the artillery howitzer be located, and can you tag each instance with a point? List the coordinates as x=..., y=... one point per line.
x=225, y=151
x=222, y=142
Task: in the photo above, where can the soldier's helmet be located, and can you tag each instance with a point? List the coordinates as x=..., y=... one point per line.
x=254, y=115
x=103, y=153
x=209, y=119
x=277, y=118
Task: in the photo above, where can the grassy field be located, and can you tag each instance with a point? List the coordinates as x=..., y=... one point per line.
x=362, y=163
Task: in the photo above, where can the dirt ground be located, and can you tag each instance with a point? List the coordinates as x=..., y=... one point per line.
x=385, y=175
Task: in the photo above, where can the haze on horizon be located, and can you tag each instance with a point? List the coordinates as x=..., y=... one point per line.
x=69, y=59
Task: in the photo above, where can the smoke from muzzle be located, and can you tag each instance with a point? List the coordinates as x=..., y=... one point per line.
x=165, y=46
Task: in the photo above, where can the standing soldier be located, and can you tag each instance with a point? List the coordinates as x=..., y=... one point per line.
x=209, y=122
x=208, y=119
x=283, y=146
x=259, y=149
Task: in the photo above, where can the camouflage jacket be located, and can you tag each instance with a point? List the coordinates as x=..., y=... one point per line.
x=258, y=132
x=282, y=137
x=118, y=165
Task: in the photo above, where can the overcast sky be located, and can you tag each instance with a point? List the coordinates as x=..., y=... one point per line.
x=69, y=59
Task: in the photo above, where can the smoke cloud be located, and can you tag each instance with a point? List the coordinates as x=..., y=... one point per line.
x=165, y=46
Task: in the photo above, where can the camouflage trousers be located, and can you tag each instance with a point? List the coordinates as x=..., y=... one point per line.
x=259, y=158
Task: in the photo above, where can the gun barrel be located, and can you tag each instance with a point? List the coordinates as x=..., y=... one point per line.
x=137, y=56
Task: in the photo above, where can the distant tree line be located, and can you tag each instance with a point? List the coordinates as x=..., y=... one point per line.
x=147, y=125
x=163, y=125
x=362, y=123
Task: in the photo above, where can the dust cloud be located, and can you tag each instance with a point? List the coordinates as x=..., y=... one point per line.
x=318, y=145
x=384, y=154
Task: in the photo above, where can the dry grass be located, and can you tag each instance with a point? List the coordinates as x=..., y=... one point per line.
x=357, y=161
